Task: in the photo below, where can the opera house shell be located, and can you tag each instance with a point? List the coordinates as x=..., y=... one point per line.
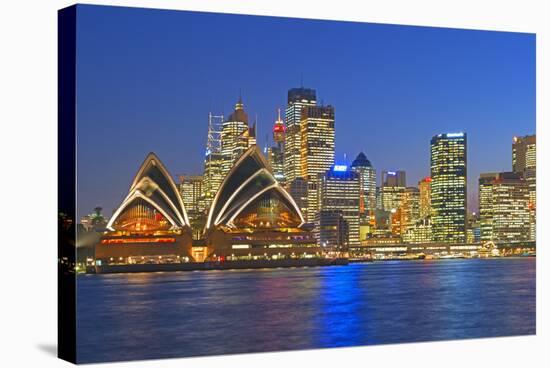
x=150, y=225
x=253, y=217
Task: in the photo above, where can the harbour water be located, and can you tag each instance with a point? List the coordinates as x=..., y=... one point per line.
x=175, y=314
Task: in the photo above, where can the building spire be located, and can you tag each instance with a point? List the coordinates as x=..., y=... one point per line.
x=239, y=105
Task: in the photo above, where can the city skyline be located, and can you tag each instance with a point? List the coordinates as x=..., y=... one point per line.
x=161, y=99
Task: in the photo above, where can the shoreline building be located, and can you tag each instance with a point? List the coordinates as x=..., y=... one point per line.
x=254, y=217
x=151, y=223
x=485, y=190
x=448, y=189
x=317, y=150
x=331, y=231
x=524, y=162
x=504, y=211
x=297, y=99
x=367, y=179
x=339, y=189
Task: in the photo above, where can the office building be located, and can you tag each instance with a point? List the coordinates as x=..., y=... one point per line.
x=298, y=98
x=510, y=208
x=485, y=190
x=524, y=162
x=367, y=178
x=235, y=136
x=339, y=190
x=425, y=189
x=448, y=193
x=331, y=230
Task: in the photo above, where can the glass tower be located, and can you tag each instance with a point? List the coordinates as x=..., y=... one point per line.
x=448, y=169
x=297, y=99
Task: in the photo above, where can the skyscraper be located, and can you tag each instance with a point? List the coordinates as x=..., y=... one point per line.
x=213, y=160
x=524, y=162
x=410, y=209
x=392, y=189
x=486, y=205
x=191, y=191
x=425, y=188
x=190, y=187
x=317, y=149
x=339, y=190
x=297, y=99
x=275, y=154
x=234, y=136
x=367, y=179
x=511, y=217
x=448, y=172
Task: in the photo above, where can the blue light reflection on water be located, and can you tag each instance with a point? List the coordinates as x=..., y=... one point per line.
x=160, y=315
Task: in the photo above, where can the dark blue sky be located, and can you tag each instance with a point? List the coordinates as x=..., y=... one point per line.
x=146, y=80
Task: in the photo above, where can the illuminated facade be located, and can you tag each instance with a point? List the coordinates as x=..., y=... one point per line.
x=298, y=98
x=275, y=154
x=317, y=150
x=253, y=217
x=213, y=160
x=367, y=178
x=425, y=205
x=191, y=191
x=448, y=172
x=410, y=209
x=420, y=232
x=339, y=189
x=190, y=188
x=392, y=189
x=524, y=162
x=511, y=217
x=234, y=137
x=486, y=205
x=150, y=225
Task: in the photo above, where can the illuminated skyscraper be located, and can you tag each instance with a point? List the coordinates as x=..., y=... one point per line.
x=392, y=189
x=297, y=99
x=191, y=191
x=190, y=187
x=425, y=189
x=410, y=209
x=234, y=137
x=448, y=167
x=486, y=205
x=339, y=190
x=275, y=154
x=511, y=217
x=367, y=178
x=317, y=149
x=213, y=160
x=524, y=162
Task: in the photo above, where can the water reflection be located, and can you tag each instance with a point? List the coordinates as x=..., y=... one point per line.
x=159, y=315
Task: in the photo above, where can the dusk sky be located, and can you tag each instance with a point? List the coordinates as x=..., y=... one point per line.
x=147, y=79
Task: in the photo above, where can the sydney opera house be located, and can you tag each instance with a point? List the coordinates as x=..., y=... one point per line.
x=252, y=217
x=150, y=225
